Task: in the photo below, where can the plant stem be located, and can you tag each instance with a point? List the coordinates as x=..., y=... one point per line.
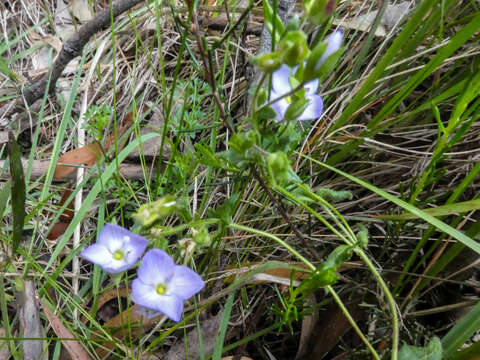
x=275, y=238
x=313, y=268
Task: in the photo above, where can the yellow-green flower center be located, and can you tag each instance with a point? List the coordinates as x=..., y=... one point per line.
x=161, y=289
x=288, y=99
x=118, y=255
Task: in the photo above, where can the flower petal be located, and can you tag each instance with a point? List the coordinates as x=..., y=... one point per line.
x=134, y=248
x=97, y=254
x=314, y=108
x=280, y=80
x=280, y=107
x=185, y=283
x=311, y=87
x=146, y=295
x=334, y=42
x=157, y=267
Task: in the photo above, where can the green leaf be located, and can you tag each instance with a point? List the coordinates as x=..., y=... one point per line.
x=217, y=352
x=17, y=190
x=460, y=207
x=4, y=195
x=225, y=211
x=433, y=351
x=461, y=332
x=5, y=69
x=272, y=22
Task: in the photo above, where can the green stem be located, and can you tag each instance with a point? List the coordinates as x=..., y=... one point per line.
x=313, y=212
x=313, y=268
x=360, y=253
x=274, y=238
x=352, y=322
x=390, y=300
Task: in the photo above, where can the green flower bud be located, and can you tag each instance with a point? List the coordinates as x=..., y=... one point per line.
x=269, y=62
x=278, y=166
x=293, y=47
x=201, y=236
x=318, y=11
x=151, y=212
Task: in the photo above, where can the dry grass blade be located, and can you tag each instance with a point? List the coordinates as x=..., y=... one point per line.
x=74, y=348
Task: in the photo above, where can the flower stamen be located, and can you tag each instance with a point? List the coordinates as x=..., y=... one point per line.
x=161, y=289
x=118, y=255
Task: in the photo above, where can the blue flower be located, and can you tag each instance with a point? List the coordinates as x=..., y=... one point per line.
x=281, y=86
x=116, y=250
x=162, y=286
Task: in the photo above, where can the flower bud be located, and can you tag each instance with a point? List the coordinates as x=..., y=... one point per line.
x=293, y=48
x=269, y=62
x=278, y=166
x=151, y=212
x=318, y=11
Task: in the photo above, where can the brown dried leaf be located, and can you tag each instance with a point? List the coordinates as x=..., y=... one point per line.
x=87, y=155
x=74, y=348
x=91, y=153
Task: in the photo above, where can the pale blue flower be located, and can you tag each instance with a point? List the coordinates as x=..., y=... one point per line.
x=281, y=86
x=116, y=250
x=162, y=286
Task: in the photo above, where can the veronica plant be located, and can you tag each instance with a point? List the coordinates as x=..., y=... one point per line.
x=162, y=286
x=116, y=250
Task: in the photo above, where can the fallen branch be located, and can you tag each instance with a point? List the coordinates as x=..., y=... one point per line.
x=71, y=48
x=40, y=167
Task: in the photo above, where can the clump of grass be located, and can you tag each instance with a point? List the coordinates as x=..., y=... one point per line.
x=281, y=219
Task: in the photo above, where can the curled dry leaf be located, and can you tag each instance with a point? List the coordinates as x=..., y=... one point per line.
x=74, y=348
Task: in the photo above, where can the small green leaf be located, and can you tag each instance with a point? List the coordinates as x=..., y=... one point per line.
x=433, y=351
x=18, y=191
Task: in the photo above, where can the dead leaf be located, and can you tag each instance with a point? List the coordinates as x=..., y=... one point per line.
x=74, y=348
x=66, y=217
x=330, y=328
x=31, y=324
x=119, y=329
x=63, y=21
x=87, y=155
x=231, y=358
x=82, y=11
x=282, y=276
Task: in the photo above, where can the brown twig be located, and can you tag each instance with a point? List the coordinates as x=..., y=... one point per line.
x=71, y=48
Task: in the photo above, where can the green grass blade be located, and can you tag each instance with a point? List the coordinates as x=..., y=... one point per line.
x=217, y=352
x=461, y=237
x=461, y=332
x=460, y=207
